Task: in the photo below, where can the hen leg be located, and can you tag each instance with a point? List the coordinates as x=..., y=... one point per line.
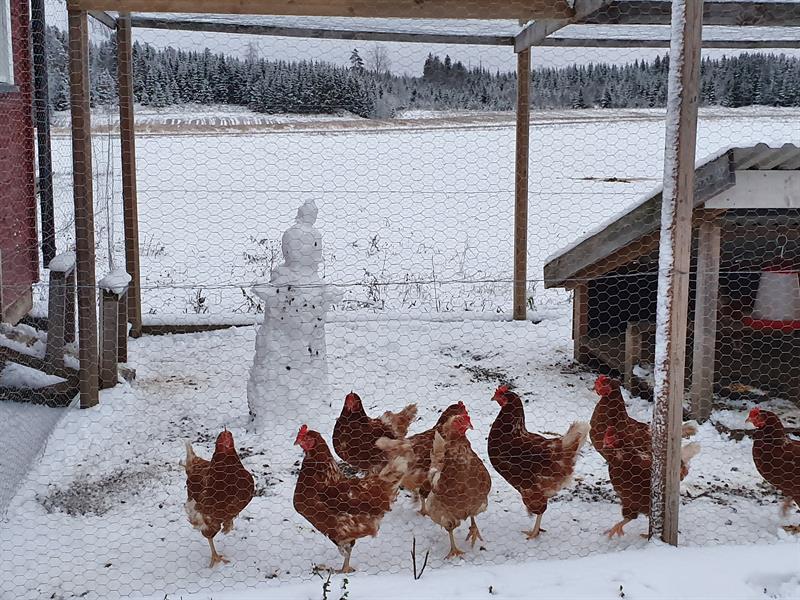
x=423, y=508
x=454, y=551
x=215, y=556
x=618, y=529
x=346, y=551
x=537, y=528
x=474, y=534
x=786, y=506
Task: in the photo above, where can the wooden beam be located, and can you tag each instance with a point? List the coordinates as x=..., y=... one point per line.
x=745, y=13
x=711, y=179
x=535, y=33
x=633, y=353
x=42, y=120
x=611, y=42
x=414, y=9
x=521, y=186
x=109, y=327
x=84, y=205
x=705, y=320
x=673, y=269
x=104, y=18
x=319, y=32
x=760, y=190
x=580, y=322
x=130, y=202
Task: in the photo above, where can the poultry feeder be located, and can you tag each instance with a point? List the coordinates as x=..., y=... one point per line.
x=777, y=304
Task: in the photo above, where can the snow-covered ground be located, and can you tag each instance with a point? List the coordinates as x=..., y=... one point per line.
x=101, y=515
x=417, y=213
x=417, y=218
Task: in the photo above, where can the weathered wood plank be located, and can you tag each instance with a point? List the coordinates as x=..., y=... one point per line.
x=756, y=13
x=705, y=320
x=130, y=202
x=612, y=42
x=674, y=262
x=633, y=353
x=104, y=18
x=431, y=9
x=580, y=322
x=711, y=179
x=56, y=319
x=536, y=33
x=521, y=186
x=321, y=33
x=109, y=349
x=84, y=205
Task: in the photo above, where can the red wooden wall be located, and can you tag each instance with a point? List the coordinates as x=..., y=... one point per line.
x=18, y=234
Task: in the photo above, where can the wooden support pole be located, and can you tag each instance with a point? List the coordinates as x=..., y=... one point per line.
x=42, y=118
x=56, y=319
x=521, y=186
x=84, y=205
x=580, y=321
x=128, y=145
x=633, y=354
x=673, y=268
x=69, y=309
x=109, y=327
x=122, y=328
x=705, y=320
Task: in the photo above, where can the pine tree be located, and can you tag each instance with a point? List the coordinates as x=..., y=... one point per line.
x=356, y=62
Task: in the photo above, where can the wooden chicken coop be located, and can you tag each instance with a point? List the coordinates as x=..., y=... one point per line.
x=746, y=221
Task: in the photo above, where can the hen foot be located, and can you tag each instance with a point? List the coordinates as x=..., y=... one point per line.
x=454, y=551
x=474, y=533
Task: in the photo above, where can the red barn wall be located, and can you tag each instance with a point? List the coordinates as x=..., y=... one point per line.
x=19, y=256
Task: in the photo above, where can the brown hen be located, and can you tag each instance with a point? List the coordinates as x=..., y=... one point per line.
x=218, y=490
x=355, y=433
x=537, y=467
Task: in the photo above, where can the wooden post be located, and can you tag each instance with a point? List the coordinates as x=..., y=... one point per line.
x=84, y=206
x=109, y=326
x=521, y=186
x=633, y=354
x=69, y=308
x=56, y=319
x=122, y=328
x=705, y=320
x=128, y=145
x=42, y=116
x=580, y=321
x=673, y=268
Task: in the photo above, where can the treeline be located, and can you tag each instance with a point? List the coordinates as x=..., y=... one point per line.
x=168, y=76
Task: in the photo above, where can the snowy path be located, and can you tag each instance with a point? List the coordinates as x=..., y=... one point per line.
x=102, y=515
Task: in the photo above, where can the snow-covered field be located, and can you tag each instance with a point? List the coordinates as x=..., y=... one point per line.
x=417, y=214
x=417, y=218
x=102, y=516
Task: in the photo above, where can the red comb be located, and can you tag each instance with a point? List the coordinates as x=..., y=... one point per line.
x=462, y=406
x=602, y=378
x=754, y=412
x=502, y=389
x=301, y=434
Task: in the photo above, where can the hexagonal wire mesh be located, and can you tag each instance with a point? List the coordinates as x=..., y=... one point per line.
x=326, y=234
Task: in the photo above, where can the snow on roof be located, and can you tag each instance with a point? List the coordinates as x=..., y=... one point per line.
x=750, y=157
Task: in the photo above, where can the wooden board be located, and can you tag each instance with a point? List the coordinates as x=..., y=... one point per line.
x=321, y=33
x=84, y=206
x=674, y=261
x=705, y=320
x=417, y=9
x=733, y=14
x=130, y=202
x=521, y=186
x=760, y=189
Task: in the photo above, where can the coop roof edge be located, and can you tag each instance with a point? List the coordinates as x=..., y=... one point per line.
x=713, y=175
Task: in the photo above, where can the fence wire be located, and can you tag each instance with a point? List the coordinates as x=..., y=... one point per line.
x=326, y=246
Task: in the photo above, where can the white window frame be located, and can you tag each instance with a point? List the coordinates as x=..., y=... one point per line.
x=6, y=49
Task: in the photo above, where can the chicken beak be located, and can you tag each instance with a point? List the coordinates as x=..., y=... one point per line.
x=749, y=420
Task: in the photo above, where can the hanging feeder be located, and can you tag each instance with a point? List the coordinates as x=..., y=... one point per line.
x=777, y=305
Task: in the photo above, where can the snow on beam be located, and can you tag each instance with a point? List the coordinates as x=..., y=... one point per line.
x=735, y=14
x=441, y=9
x=536, y=32
x=321, y=33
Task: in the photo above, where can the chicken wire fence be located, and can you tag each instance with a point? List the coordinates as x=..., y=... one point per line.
x=326, y=243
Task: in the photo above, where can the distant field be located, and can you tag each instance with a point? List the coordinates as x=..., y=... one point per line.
x=416, y=212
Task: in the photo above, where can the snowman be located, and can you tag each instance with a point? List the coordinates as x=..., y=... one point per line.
x=289, y=376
